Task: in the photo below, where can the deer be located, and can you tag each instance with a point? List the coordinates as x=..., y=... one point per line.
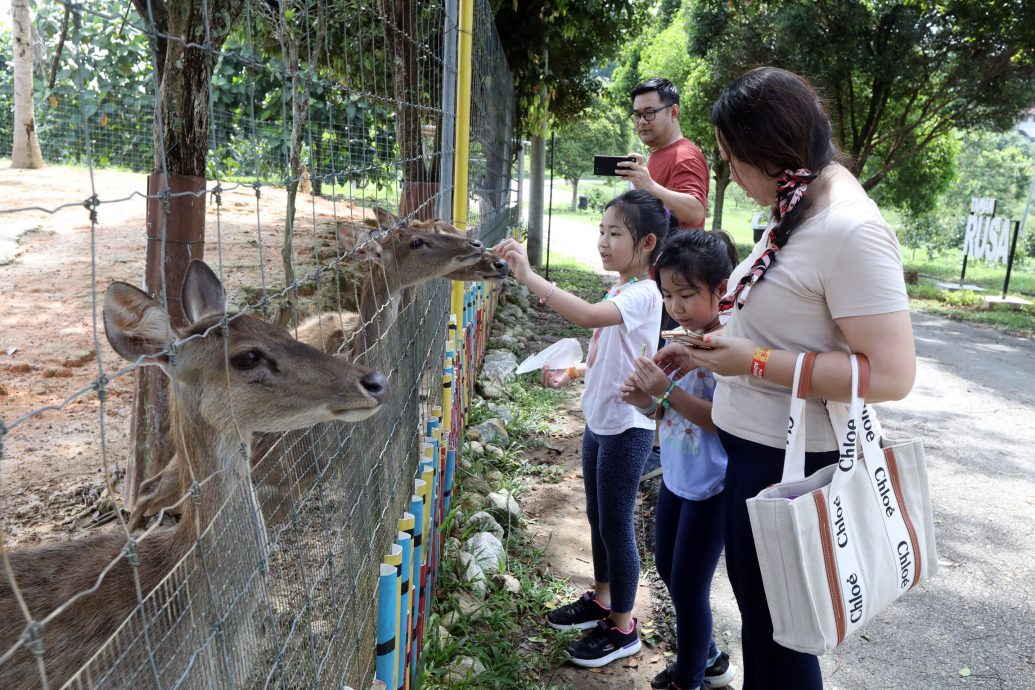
x=416, y=252
x=413, y=254
x=223, y=388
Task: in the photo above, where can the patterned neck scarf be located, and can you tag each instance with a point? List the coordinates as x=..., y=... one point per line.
x=790, y=189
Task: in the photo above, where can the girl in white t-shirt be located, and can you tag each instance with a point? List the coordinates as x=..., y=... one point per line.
x=617, y=438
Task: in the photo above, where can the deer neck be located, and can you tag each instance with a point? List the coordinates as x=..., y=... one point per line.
x=216, y=460
x=379, y=300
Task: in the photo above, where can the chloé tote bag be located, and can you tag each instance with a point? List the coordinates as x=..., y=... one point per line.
x=839, y=546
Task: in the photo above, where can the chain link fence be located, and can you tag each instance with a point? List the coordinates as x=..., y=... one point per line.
x=319, y=112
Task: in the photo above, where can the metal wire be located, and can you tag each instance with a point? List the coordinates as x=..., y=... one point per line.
x=276, y=588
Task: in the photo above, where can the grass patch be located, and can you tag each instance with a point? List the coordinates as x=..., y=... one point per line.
x=965, y=305
x=505, y=633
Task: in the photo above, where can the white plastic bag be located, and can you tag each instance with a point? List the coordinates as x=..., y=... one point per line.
x=565, y=353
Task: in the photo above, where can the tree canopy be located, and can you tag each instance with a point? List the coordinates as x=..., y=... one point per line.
x=577, y=142
x=898, y=77
x=557, y=43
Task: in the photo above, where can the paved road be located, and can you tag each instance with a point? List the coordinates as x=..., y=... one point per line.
x=974, y=405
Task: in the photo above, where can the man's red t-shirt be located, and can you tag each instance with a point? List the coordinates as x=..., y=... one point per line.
x=681, y=167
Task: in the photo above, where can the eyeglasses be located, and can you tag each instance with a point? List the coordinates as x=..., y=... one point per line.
x=648, y=114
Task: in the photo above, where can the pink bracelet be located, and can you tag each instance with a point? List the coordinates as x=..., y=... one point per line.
x=543, y=300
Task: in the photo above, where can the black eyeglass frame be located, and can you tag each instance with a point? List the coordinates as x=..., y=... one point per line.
x=647, y=114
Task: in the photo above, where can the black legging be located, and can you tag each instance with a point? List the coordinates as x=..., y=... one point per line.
x=689, y=542
x=611, y=468
x=751, y=468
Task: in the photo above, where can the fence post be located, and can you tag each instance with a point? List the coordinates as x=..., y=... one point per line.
x=448, y=121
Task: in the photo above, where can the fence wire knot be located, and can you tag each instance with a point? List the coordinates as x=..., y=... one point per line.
x=195, y=493
x=131, y=552
x=91, y=205
x=258, y=189
x=101, y=386
x=217, y=194
x=34, y=637
x=172, y=353
x=163, y=197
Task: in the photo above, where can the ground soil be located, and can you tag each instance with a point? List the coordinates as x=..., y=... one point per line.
x=54, y=268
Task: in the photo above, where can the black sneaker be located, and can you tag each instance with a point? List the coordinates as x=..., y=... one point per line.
x=604, y=644
x=719, y=674
x=582, y=614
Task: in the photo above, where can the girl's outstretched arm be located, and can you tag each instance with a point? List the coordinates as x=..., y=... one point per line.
x=574, y=309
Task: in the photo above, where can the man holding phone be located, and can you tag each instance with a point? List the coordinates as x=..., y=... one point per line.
x=676, y=172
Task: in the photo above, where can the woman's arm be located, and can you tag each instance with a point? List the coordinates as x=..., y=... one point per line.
x=574, y=309
x=885, y=339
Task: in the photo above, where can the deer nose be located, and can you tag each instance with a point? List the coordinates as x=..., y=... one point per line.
x=375, y=384
x=476, y=244
x=499, y=264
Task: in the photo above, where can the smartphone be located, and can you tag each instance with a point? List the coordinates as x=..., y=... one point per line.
x=608, y=165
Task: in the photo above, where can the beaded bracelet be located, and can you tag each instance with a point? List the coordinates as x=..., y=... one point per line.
x=548, y=295
x=663, y=400
x=572, y=373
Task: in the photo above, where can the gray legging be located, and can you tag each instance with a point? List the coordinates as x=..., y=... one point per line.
x=611, y=468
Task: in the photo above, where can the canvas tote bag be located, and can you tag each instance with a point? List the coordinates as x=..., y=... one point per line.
x=837, y=547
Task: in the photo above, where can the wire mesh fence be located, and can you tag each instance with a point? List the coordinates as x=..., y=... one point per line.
x=261, y=566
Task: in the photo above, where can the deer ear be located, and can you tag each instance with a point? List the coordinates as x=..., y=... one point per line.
x=137, y=326
x=202, y=292
x=385, y=219
x=352, y=238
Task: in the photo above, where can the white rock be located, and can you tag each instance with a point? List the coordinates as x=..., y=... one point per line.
x=510, y=583
x=504, y=507
x=483, y=522
x=464, y=668
x=488, y=551
x=477, y=449
x=473, y=574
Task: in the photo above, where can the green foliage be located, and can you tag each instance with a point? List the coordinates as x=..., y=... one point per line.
x=575, y=35
x=598, y=198
x=897, y=78
x=577, y=142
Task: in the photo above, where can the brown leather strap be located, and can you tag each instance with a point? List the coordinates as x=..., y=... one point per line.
x=864, y=375
x=806, y=375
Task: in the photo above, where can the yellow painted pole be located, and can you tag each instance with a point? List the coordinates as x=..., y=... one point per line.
x=462, y=157
x=463, y=115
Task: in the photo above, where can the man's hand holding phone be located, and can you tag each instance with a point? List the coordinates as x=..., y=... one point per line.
x=635, y=172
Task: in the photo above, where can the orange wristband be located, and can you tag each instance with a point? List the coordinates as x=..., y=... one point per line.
x=572, y=373
x=758, y=362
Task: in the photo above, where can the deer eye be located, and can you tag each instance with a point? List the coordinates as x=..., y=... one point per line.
x=249, y=359
x=417, y=243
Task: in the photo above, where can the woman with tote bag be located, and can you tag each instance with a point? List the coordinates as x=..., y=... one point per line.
x=827, y=278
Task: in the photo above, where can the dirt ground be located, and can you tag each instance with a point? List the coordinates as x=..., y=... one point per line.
x=54, y=269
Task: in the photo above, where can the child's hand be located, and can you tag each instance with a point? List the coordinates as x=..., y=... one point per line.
x=516, y=257
x=649, y=377
x=675, y=356
x=555, y=378
x=629, y=393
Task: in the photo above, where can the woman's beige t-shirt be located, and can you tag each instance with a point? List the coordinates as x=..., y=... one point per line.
x=842, y=261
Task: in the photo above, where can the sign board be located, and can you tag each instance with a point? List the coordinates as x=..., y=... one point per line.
x=987, y=236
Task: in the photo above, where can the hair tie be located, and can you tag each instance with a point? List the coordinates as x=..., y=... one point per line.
x=668, y=214
x=790, y=189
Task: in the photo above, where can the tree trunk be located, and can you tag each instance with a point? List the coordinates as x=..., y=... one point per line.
x=405, y=89
x=574, y=195
x=26, y=150
x=722, y=180
x=181, y=150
